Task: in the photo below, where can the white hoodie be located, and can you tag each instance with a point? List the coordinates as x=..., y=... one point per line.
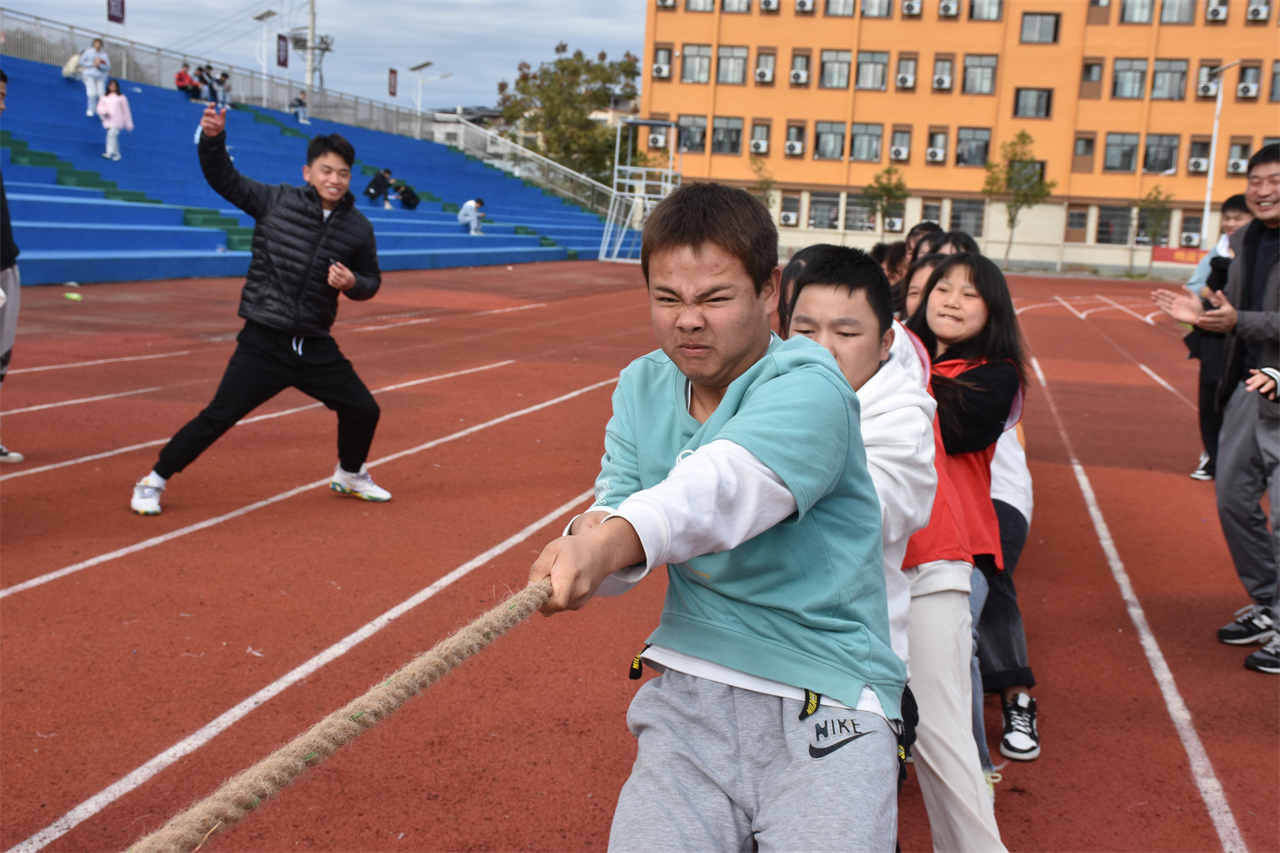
x=897, y=431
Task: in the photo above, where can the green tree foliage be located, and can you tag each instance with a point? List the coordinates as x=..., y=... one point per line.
x=556, y=99
x=1017, y=180
x=1154, y=213
x=763, y=187
x=885, y=194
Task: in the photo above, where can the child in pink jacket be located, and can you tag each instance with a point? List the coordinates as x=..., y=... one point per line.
x=113, y=109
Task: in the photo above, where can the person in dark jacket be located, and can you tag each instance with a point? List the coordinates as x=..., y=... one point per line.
x=309, y=245
x=378, y=188
x=10, y=284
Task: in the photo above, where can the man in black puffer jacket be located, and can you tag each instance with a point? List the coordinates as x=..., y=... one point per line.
x=309, y=244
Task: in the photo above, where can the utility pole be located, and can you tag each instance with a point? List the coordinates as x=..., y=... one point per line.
x=311, y=45
x=262, y=18
x=1215, y=74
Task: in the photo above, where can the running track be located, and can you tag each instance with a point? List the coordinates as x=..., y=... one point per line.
x=145, y=660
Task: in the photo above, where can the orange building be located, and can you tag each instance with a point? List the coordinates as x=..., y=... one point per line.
x=818, y=96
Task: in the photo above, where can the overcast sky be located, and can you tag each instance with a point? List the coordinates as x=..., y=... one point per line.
x=478, y=42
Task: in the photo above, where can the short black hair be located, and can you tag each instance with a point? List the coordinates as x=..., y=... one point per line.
x=958, y=240
x=386, y=171
x=331, y=143
x=1236, y=203
x=790, y=273
x=479, y=202
x=4, y=78
x=878, y=252
x=851, y=269
x=1265, y=154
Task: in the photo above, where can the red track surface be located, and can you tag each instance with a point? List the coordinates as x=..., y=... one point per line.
x=525, y=747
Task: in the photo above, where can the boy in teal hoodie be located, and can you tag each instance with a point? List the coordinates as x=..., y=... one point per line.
x=736, y=459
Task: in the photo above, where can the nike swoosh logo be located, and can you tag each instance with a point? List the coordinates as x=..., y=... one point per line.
x=819, y=751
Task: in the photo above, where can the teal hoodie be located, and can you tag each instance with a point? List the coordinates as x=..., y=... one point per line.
x=803, y=603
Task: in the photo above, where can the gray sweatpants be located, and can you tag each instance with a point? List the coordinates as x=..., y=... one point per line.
x=12, y=287
x=718, y=767
x=1248, y=459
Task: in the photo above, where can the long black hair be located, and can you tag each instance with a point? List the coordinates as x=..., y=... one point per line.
x=959, y=241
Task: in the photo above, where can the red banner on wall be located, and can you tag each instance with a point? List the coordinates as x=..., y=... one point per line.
x=115, y=11
x=391, y=82
x=1172, y=255
x=282, y=51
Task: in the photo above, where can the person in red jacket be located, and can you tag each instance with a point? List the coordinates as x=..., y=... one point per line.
x=184, y=82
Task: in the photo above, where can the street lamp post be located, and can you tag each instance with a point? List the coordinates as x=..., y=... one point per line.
x=262, y=18
x=418, y=69
x=1215, y=73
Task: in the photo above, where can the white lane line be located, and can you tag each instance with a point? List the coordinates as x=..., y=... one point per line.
x=418, y=322
x=1150, y=318
x=1065, y=304
x=1201, y=767
x=71, y=364
x=27, y=472
x=1089, y=311
x=528, y=307
x=1034, y=307
x=282, y=496
x=1165, y=385
x=213, y=728
x=79, y=400
x=1128, y=311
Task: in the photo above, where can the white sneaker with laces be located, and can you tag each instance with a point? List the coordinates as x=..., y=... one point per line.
x=146, y=496
x=358, y=485
x=1021, y=740
x=7, y=455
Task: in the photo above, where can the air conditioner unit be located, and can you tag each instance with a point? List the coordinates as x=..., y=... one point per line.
x=1257, y=12
x=899, y=152
x=657, y=140
x=1214, y=12
x=800, y=78
x=788, y=218
x=764, y=75
x=948, y=9
x=910, y=8
x=893, y=223
x=661, y=71
x=1189, y=240
x=793, y=148
x=1198, y=165
x=759, y=146
x=936, y=155
x=1207, y=89
x=942, y=81
x=666, y=4
x=906, y=81
x=1247, y=90
x=804, y=5
x=768, y=5
x=1237, y=166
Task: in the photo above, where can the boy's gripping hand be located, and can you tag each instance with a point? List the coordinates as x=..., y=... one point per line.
x=213, y=122
x=578, y=564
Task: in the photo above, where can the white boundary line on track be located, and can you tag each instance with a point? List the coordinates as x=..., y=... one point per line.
x=1065, y=304
x=285, y=495
x=1034, y=307
x=212, y=729
x=71, y=364
x=1202, y=772
x=80, y=400
x=1165, y=385
x=1128, y=311
x=432, y=319
x=256, y=418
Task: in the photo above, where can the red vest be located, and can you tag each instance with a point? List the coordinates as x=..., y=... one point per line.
x=945, y=537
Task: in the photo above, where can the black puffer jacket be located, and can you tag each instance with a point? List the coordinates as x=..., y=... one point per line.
x=287, y=284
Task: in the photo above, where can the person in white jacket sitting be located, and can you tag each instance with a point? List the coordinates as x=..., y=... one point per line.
x=469, y=215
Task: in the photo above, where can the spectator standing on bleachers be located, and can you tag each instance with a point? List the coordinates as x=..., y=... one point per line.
x=184, y=82
x=10, y=285
x=299, y=107
x=310, y=245
x=95, y=66
x=224, y=90
x=208, y=89
x=113, y=109
x=378, y=188
x=469, y=215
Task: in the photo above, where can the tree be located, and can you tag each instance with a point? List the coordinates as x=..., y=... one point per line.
x=1153, y=218
x=763, y=187
x=885, y=195
x=1017, y=180
x=555, y=101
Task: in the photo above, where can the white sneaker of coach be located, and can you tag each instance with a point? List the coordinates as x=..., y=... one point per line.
x=146, y=496
x=359, y=485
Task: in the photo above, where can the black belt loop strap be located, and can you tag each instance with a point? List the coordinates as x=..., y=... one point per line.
x=637, y=665
x=907, y=735
x=811, y=702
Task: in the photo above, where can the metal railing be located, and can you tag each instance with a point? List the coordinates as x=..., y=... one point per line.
x=39, y=39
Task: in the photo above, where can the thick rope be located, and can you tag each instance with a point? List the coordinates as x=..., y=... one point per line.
x=241, y=794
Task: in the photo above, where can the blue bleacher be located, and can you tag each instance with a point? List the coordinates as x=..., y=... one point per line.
x=151, y=215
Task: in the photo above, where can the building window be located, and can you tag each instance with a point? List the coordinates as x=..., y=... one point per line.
x=938, y=143
x=726, y=135
x=966, y=216
x=901, y=139
x=1113, y=225
x=692, y=133
x=695, y=64
x=736, y=5
x=984, y=10
x=1238, y=151
x=790, y=205
x=766, y=65
x=1083, y=146
x=865, y=142
x=1198, y=148
x=800, y=69
x=979, y=75
x=1143, y=235
x=662, y=56
x=906, y=70
x=824, y=210
x=942, y=73
x=873, y=69
x=1191, y=223
x=835, y=69
x=1275, y=80
x=1122, y=152
x=700, y=5
x=1032, y=103
x=795, y=133
x=1130, y=78
x=760, y=133
x=828, y=140
x=1270, y=140
x=1091, y=72
x=731, y=65
x=1135, y=11
x=1038, y=28
x=1169, y=80
x=1252, y=74
x=972, y=144
x=858, y=215
x=1161, y=156
x=841, y=8
x=1077, y=220
x=1177, y=11
x=876, y=8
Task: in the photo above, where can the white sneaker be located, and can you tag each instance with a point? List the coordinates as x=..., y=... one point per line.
x=7, y=455
x=359, y=485
x=146, y=496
